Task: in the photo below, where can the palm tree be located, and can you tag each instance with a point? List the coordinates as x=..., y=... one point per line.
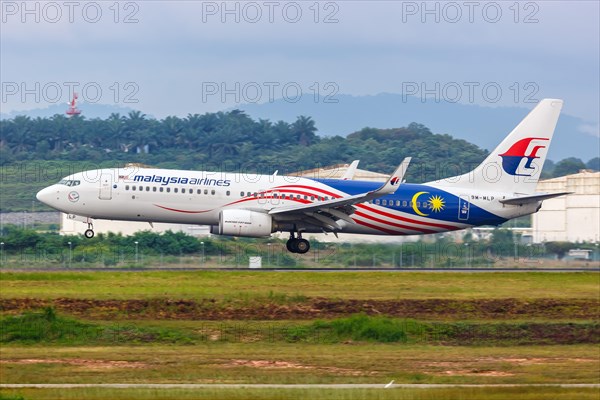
x=304, y=131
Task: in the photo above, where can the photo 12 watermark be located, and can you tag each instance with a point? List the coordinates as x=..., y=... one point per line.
x=253, y=12
x=269, y=91
x=55, y=12
x=471, y=92
x=453, y=12
x=62, y=92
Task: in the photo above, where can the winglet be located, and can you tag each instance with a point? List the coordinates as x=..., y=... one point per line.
x=394, y=180
x=349, y=174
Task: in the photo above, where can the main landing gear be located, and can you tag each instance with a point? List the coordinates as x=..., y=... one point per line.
x=297, y=245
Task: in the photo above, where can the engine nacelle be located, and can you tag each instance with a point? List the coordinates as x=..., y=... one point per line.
x=246, y=223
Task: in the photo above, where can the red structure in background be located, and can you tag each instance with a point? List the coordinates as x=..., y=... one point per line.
x=73, y=110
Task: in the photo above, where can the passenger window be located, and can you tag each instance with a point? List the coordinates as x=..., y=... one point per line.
x=133, y=188
x=241, y=194
x=160, y=189
x=384, y=202
x=205, y=191
x=404, y=203
x=212, y=192
x=228, y=193
x=147, y=188
x=168, y=190
x=154, y=188
x=141, y=188
x=377, y=201
x=126, y=187
x=175, y=190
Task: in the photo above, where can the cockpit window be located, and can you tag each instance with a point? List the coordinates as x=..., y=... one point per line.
x=68, y=182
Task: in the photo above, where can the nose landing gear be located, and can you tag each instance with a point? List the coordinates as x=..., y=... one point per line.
x=89, y=233
x=297, y=245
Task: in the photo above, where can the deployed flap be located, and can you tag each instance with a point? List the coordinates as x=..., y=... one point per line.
x=389, y=187
x=534, y=198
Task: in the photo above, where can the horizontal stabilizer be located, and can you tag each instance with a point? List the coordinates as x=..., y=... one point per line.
x=533, y=198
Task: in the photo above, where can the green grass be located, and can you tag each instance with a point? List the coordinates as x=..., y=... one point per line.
x=343, y=285
x=530, y=393
x=354, y=349
x=289, y=363
x=48, y=328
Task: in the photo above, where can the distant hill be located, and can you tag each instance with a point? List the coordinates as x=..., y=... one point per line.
x=483, y=126
x=88, y=110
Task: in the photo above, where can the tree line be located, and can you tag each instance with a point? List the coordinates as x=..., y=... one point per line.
x=29, y=247
x=228, y=140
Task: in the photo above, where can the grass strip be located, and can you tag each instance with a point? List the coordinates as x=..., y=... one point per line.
x=46, y=327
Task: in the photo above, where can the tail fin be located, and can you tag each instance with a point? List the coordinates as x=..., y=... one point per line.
x=516, y=164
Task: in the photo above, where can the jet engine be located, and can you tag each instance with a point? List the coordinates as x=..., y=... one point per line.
x=245, y=223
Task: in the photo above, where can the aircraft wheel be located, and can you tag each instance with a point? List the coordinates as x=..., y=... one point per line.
x=302, y=246
x=89, y=234
x=291, y=245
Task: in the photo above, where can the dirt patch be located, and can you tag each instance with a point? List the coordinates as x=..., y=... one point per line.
x=79, y=362
x=211, y=309
x=475, y=373
x=533, y=361
x=278, y=364
x=481, y=366
x=268, y=364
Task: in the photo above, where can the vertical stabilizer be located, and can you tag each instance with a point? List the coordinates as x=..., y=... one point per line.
x=516, y=164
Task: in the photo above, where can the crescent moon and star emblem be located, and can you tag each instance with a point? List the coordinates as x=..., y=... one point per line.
x=436, y=203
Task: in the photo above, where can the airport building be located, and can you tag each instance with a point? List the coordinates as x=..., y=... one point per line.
x=571, y=218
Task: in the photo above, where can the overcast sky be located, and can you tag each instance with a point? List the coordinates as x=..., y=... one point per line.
x=175, y=58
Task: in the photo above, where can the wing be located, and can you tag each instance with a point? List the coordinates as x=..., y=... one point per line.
x=325, y=213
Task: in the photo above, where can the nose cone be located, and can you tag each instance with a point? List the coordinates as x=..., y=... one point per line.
x=46, y=195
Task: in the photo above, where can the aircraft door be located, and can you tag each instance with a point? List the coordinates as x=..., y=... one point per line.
x=463, y=207
x=105, y=187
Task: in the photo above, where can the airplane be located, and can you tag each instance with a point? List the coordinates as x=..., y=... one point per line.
x=502, y=187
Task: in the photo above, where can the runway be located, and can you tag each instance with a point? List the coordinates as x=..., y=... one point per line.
x=282, y=386
x=266, y=270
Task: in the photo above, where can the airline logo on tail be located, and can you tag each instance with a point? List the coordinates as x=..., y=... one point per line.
x=512, y=158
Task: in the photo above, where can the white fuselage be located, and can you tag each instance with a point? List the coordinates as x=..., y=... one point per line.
x=198, y=197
